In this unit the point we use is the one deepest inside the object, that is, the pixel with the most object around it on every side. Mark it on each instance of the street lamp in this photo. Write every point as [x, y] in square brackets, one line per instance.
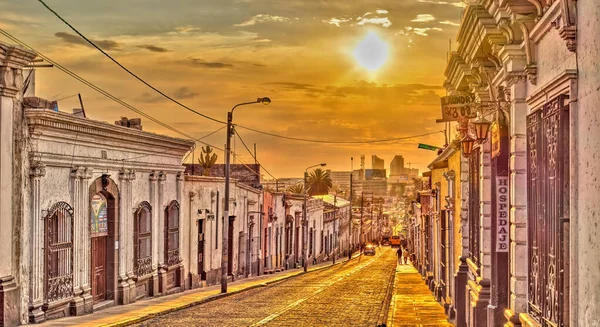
[305, 220]
[467, 144]
[225, 238]
[482, 127]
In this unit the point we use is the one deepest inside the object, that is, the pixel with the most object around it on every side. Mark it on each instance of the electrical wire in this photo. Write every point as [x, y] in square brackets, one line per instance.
[340, 142]
[244, 143]
[211, 118]
[126, 69]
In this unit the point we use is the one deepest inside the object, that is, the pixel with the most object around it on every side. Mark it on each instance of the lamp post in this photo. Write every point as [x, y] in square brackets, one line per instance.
[350, 239]
[225, 236]
[305, 220]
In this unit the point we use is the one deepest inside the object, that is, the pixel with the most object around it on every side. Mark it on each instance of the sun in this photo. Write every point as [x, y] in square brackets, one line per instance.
[371, 52]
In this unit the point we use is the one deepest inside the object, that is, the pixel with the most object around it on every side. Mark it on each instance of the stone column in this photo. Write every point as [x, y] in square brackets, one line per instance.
[129, 228]
[12, 60]
[153, 177]
[36, 255]
[162, 268]
[85, 269]
[518, 202]
[123, 285]
[485, 210]
[179, 186]
[77, 304]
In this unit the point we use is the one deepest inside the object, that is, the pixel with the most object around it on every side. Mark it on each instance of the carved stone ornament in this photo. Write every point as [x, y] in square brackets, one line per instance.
[531, 71]
[37, 171]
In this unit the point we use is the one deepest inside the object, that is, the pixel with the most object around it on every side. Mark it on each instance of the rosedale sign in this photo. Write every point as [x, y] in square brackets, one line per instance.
[458, 107]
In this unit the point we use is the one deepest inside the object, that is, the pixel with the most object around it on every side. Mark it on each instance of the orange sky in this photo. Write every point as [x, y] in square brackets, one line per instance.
[212, 54]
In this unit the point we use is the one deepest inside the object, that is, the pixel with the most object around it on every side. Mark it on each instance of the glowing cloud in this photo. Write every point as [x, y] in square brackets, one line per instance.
[384, 21]
[423, 18]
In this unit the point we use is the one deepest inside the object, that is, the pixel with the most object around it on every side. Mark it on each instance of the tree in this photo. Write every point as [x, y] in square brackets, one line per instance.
[319, 182]
[296, 189]
[207, 159]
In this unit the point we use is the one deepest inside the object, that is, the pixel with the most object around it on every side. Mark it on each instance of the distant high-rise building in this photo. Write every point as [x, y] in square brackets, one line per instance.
[397, 165]
[377, 162]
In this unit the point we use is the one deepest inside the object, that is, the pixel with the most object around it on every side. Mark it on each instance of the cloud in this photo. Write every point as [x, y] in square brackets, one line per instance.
[384, 21]
[423, 18]
[186, 29]
[418, 30]
[262, 18]
[207, 64]
[449, 22]
[336, 21]
[184, 93]
[459, 4]
[381, 11]
[74, 39]
[152, 48]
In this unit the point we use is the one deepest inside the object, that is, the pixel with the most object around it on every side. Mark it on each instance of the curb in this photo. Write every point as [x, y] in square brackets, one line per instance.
[211, 298]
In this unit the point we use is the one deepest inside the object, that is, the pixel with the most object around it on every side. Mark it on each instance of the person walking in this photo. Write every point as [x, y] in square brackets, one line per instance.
[405, 255]
[399, 254]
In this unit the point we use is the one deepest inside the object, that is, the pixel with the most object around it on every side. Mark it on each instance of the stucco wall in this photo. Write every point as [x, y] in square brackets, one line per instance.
[587, 187]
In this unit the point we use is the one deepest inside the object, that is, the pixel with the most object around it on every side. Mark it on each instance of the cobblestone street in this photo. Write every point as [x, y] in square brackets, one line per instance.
[349, 294]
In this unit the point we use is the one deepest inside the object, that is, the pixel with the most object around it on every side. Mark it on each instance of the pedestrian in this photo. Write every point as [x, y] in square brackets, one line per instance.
[405, 255]
[399, 254]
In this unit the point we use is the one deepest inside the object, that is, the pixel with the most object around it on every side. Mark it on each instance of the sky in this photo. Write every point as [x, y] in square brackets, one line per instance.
[213, 54]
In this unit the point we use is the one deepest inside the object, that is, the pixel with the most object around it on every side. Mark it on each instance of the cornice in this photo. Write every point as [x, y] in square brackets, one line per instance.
[67, 161]
[559, 16]
[41, 119]
[559, 85]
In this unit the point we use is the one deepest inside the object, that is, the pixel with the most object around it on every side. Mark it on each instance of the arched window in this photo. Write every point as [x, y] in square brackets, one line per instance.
[172, 234]
[143, 240]
[58, 252]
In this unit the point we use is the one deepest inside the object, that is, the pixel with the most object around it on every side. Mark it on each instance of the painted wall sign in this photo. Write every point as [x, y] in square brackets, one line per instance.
[502, 227]
[495, 131]
[99, 219]
[458, 107]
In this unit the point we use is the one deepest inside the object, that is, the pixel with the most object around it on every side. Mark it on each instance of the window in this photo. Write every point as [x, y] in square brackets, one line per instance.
[143, 240]
[58, 250]
[548, 212]
[172, 234]
[322, 241]
[310, 242]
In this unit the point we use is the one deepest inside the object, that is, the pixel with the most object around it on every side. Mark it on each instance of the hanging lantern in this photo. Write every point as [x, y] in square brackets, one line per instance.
[467, 144]
[482, 128]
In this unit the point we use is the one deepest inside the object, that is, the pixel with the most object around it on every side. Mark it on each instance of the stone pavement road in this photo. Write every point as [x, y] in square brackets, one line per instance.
[349, 294]
[412, 303]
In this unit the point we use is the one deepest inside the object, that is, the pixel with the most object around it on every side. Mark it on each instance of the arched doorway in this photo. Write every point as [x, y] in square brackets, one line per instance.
[103, 224]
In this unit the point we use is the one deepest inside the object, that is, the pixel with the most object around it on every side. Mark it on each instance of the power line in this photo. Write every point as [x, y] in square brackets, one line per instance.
[340, 142]
[101, 91]
[206, 116]
[244, 143]
[126, 69]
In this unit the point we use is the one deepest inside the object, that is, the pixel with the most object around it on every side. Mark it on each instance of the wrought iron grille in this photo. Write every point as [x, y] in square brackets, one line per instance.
[548, 191]
[172, 234]
[58, 251]
[474, 224]
[143, 239]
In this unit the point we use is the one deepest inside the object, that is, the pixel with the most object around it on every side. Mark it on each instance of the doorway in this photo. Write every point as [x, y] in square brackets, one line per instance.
[201, 271]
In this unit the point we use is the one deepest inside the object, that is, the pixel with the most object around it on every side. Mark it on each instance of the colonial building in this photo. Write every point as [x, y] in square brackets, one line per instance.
[525, 193]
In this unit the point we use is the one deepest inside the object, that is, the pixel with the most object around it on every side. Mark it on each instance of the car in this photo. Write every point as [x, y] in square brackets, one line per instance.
[369, 250]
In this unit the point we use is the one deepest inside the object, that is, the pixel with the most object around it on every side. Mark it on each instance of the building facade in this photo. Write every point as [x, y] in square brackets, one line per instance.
[526, 200]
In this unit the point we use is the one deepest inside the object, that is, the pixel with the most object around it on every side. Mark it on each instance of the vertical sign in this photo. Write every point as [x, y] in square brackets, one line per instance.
[495, 130]
[502, 228]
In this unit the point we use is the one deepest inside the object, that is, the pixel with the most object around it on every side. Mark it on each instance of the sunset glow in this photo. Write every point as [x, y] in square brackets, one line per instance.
[372, 52]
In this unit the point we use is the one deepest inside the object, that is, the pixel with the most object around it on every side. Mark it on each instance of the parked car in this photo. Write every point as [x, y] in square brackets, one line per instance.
[369, 250]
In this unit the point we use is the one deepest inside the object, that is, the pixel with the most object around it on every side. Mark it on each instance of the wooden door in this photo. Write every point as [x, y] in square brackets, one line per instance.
[201, 249]
[230, 248]
[99, 268]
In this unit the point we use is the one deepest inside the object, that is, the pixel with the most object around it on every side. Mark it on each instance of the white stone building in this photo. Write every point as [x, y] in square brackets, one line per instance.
[203, 240]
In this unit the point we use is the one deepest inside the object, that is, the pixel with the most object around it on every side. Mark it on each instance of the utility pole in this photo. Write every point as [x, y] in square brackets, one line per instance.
[334, 219]
[362, 200]
[350, 240]
[304, 228]
[225, 236]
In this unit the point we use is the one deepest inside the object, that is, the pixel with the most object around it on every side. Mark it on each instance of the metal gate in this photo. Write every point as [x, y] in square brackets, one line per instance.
[58, 251]
[474, 224]
[548, 212]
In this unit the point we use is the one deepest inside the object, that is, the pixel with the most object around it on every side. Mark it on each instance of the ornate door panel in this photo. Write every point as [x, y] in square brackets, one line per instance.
[548, 212]
[474, 206]
[99, 268]
[59, 252]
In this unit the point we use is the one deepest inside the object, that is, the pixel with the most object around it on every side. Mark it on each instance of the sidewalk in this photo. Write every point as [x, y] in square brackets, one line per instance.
[123, 315]
[412, 303]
